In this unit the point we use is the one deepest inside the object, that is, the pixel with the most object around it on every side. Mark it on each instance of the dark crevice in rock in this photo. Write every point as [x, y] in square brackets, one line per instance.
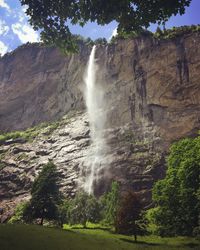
[182, 62]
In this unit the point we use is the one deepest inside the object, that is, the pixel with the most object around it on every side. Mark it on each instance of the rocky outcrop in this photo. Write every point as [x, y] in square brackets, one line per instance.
[152, 98]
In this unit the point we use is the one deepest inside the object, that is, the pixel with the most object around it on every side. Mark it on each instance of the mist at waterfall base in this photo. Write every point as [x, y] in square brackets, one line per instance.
[95, 104]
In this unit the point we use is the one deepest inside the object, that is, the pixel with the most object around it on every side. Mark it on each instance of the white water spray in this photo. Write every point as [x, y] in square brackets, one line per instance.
[94, 98]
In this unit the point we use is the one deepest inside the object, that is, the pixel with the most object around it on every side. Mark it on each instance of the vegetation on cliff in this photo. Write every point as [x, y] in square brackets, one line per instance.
[44, 128]
[30, 133]
[160, 34]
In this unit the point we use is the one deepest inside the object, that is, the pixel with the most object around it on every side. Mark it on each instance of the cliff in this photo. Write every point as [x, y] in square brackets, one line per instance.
[152, 98]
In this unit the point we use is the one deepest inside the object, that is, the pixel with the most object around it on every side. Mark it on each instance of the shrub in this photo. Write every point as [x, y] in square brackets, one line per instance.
[19, 212]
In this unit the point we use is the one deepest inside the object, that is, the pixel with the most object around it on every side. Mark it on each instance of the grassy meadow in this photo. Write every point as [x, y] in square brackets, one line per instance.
[32, 237]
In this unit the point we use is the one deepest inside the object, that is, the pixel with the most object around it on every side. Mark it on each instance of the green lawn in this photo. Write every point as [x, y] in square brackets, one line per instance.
[26, 237]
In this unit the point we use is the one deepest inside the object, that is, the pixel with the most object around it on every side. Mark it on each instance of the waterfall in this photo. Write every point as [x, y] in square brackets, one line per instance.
[94, 98]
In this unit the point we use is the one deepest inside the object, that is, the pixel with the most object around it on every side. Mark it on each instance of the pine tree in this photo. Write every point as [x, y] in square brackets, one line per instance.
[45, 195]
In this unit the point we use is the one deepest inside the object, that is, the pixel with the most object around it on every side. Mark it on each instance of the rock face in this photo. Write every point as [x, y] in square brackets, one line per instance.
[152, 97]
[39, 84]
[146, 81]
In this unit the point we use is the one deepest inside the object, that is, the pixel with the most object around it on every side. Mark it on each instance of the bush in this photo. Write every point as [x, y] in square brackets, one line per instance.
[152, 227]
[19, 212]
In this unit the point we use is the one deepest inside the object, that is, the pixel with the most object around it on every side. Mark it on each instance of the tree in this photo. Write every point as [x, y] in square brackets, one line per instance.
[129, 215]
[100, 41]
[159, 32]
[84, 208]
[53, 17]
[177, 196]
[109, 203]
[63, 212]
[45, 195]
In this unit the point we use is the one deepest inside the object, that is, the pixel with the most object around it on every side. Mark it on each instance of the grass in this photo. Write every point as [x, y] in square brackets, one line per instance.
[30, 133]
[32, 237]
[46, 128]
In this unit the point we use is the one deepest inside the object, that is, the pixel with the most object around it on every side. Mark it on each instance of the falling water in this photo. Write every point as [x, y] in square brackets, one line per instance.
[94, 98]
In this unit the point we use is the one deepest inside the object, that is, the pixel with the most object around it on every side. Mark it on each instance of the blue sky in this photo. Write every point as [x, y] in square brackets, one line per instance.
[15, 30]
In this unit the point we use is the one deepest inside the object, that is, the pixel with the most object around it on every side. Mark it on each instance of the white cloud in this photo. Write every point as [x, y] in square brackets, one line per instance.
[114, 33]
[3, 4]
[25, 33]
[3, 48]
[22, 14]
[3, 28]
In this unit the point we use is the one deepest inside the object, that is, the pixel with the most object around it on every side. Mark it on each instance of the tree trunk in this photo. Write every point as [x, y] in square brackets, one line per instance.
[84, 224]
[61, 224]
[41, 222]
[42, 217]
[135, 236]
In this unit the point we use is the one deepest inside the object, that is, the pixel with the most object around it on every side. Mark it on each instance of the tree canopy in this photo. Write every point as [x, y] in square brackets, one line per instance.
[53, 17]
[177, 196]
[84, 208]
[110, 204]
[129, 214]
[45, 195]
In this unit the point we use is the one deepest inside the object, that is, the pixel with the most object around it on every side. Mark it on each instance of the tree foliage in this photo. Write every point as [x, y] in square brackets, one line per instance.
[53, 17]
[110, 203]
[129, 215]
[83, 208]
[45, 195]
[177, 196]
[175, 31]
[18, 216]
[63, 212]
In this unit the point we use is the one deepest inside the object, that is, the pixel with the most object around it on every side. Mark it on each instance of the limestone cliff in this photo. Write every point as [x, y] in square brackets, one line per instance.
[152, 99]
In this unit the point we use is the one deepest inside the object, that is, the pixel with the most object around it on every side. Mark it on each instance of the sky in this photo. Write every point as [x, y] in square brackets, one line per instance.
[15, 29]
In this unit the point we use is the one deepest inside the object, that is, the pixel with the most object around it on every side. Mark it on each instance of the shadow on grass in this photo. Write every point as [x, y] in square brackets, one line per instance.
[95, 228]
[69, 230]
[140, 242]
[192, 245]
